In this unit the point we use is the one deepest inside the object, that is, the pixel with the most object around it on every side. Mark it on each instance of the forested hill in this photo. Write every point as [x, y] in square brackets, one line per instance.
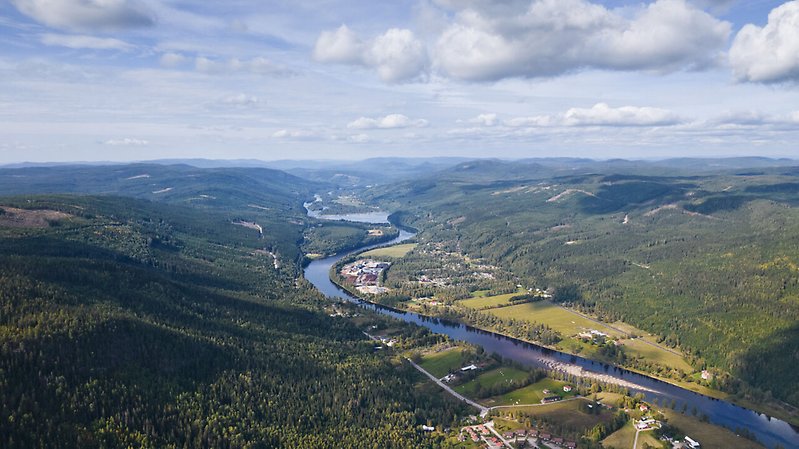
[131, 323]
[216, 188]
[706, 258]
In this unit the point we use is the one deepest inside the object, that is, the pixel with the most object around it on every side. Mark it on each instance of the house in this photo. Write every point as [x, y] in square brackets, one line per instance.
[550, 399]
[508, 435]
[706, 375]
[571, 444]
[448, 378]
[532, 432]
[469, 368]
[546, 436]
[567, 388]
[428, 428]
[557, 440]
[693, 444]
[643, 407]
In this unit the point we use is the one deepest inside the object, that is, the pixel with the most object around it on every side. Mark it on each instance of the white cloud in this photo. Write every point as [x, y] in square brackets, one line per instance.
[485, 119]
[388, 122]
[771, 53]
[84, 42]
[299, 134]
[358, 138]
[340, 46]
[86, 14]
[127, 142]
[487, 41]
[603, 115]
[600, 114]
[397, 54]
[532, 121]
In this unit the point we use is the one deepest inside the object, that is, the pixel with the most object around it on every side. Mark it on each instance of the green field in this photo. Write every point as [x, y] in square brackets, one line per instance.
[624, 438]
[491, 378]
[533, 393]
[443, 362]
[482, 301]
[660, 355]
[395, 251]
[554, 316]
[566, 414]
[710, 436]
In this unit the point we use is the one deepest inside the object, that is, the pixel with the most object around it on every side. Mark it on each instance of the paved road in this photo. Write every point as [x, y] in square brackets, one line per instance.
[483, 409]
[635, 442]
[490, 426]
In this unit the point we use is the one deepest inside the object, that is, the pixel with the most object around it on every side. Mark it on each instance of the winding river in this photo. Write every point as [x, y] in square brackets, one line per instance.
[769, 431]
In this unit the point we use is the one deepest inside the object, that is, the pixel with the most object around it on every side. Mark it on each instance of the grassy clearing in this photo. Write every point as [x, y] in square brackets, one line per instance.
[554, 316]
[710, 436]
[441, 363]
[621, 439]
[395, 251]
[533, 393]
[490, 378]
[659, 355]
[567, 414]
[481, 302]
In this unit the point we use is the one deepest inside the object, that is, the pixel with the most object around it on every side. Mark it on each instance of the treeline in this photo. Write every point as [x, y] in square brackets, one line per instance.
[124, 328]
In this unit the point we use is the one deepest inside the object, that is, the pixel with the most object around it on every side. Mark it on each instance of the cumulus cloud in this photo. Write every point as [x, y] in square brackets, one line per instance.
[487, 41]
[485, 120]
[84, 42]
[550, 37]
[86, 14]
[127, 142]
[603, 115]
[341, 46]
[769, 54]
[397, 55]
[388, 122]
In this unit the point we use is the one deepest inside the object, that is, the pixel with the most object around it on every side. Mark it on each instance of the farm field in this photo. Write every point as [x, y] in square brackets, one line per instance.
[566, 414]
[636, 347]
[624, 438]
[491, 378]
[483, 301]
[395, 251]
[443, 362]
[709, 435]
[531, 394]
[554, 316]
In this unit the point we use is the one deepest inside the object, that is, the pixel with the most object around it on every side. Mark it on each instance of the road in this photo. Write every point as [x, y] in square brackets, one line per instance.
[483, 409]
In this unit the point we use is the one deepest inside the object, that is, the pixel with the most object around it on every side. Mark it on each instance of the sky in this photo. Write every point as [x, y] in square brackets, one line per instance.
[127, 80]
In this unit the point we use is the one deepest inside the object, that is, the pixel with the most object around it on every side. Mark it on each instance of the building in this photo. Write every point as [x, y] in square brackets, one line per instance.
[469, 368]
[567, 388]
[693, 444]
[550, 399]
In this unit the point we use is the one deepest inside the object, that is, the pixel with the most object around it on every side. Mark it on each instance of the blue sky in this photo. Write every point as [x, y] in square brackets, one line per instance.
[145, 79]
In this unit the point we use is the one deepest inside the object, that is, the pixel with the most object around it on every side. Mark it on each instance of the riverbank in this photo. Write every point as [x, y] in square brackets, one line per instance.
[768, 431]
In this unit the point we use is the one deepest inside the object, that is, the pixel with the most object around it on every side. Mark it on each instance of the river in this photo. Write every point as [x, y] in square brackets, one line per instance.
[769, 431]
